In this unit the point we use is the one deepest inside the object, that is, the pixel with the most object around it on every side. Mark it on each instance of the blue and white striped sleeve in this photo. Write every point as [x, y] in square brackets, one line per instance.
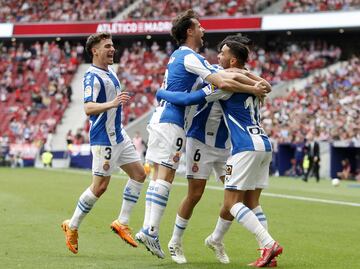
[198, 65]
[91, 87]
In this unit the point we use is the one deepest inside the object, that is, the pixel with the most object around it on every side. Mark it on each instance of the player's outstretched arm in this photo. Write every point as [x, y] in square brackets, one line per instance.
[184, 98]
[92, 108]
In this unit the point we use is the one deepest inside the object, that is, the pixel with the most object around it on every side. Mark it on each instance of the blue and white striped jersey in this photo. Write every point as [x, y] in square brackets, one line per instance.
[101, 86]
[242, 117]
[185, 72]
[208, 125]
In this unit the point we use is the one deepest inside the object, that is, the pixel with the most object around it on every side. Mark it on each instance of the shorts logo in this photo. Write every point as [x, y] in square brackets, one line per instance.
[176, 158]
[228, 170]
[195, 168]
[106, 166]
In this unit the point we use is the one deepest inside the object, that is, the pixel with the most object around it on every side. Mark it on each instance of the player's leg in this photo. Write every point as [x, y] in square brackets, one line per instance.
[131, 193]
[215, 240]
[252, 201]
[148, 197]
[85, 203]
[196, 188]
[102, 167]
[165, 146]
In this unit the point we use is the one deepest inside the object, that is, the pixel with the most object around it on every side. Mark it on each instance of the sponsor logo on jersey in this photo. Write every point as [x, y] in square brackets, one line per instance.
[87, 91]
[229, 170]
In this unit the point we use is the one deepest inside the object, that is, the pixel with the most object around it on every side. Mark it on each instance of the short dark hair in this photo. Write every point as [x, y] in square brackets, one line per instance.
[239, 47]
[238, 38]
[181, 24]
[95, 39]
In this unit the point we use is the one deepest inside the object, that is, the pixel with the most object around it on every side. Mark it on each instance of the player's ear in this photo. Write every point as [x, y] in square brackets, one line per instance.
[94, 51]
[189, 31]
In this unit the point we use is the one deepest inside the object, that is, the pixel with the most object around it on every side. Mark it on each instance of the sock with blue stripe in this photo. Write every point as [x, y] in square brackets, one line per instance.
[260, 216]
[179, 229]
[130, 197]
[159, 201]
[262, 219]
[85, 204]
[222, 226]
[148, 196]
[248, 219]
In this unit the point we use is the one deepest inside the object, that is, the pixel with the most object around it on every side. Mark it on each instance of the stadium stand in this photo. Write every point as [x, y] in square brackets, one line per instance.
[60, 10]
[150, 9]
[327, 106]
[34, 89]
[309, 6]
[141, 71]
[284, 61]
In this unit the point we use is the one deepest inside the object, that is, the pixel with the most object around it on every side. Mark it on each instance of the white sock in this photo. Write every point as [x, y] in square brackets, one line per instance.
[261, 216]
[179, 229]
[149, 194]
[130, 197]
[85, 204]
[222, 226]
[159, 201]
[262, 219]
[248, 219]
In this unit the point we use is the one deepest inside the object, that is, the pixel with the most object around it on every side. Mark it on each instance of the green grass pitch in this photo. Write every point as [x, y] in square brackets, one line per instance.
[34, 202]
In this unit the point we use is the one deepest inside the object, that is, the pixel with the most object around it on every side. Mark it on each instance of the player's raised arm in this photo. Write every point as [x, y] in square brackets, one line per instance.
[92, 108]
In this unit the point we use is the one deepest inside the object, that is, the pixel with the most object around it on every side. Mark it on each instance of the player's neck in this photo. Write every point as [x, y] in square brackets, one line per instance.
[236, 66]
[191, 45]
[100, 65]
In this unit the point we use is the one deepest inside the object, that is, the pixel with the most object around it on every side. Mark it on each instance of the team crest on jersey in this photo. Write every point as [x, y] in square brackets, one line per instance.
[87, 91]
[229, 170]
[106, 166]
[195, 168]
[176, 158]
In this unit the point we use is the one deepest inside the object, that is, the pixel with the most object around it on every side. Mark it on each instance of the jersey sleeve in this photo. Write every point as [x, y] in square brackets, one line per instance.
[198, 65]
[182, 98]
[91, 87]
[217, 95]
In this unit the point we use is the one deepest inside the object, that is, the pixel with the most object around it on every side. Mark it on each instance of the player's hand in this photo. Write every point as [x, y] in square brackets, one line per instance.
[121, 99]
[260, 89]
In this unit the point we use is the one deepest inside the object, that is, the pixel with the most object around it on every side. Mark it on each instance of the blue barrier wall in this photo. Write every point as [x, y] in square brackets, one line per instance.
[285, 154]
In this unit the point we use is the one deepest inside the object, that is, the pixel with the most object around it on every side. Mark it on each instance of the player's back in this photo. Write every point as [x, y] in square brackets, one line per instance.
[242, 115]
[101, 86]
[208, 126]
[185, 72]
[206, 123]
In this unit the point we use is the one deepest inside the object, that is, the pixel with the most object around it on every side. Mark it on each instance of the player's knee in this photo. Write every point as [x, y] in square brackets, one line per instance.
[99, 190]
[195, 197]
[140, 175]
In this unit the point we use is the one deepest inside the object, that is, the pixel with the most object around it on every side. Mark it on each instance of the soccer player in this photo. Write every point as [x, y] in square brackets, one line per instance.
[207, 149]
[110, 145]
[185, 71]
[247, 170]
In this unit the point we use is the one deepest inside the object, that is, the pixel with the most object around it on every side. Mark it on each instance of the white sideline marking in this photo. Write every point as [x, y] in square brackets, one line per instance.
[284, 196]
